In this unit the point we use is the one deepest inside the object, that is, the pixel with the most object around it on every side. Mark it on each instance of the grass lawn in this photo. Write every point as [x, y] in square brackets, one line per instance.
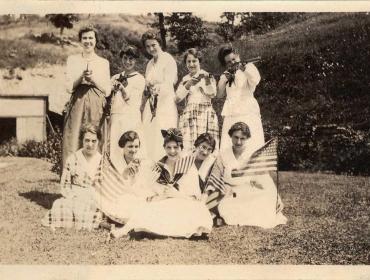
[328, 224]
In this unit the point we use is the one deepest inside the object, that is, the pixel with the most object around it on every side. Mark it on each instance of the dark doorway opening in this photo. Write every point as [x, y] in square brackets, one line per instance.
[8, 128]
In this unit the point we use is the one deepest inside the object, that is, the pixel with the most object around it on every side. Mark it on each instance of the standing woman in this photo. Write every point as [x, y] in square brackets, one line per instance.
[238, 83]
[159, 111]
[88, 80]
[199, 88]
[77, 208]
[128, 88]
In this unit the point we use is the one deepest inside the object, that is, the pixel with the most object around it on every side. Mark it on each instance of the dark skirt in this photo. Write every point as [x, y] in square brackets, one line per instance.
[86, 106]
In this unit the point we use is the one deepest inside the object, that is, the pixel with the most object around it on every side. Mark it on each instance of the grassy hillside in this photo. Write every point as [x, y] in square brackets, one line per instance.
[314, 72]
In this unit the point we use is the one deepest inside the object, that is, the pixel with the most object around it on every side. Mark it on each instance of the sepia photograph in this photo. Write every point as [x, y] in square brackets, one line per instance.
[186, 136]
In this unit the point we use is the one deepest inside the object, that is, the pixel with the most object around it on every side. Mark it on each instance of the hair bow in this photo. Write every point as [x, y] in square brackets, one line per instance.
[172, 133]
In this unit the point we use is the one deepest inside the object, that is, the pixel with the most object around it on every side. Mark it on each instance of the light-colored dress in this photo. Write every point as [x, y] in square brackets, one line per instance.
[76, 208]
[252, 200]
[125, 115]
[241, 106]
[183, 216]
[162, 74]
[87, 102]
[136, 190]
[199, 116]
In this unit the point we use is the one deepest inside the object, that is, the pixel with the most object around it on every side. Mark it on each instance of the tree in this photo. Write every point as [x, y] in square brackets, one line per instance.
[235, 25]
[162, 29]
[187, 30]
[62, 20]
[229, 28]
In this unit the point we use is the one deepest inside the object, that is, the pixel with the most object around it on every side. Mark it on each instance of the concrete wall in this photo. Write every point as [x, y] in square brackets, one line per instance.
[30, 112]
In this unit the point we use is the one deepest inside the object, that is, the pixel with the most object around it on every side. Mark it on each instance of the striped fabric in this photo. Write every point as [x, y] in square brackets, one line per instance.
[215, 185]
[109, 183]
[262, 161]
[183, 164]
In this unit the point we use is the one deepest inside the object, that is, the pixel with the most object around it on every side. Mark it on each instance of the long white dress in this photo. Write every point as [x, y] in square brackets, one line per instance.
[241, 106]
[183, 216]
[162, 74]
[254, 199]
[125, 115]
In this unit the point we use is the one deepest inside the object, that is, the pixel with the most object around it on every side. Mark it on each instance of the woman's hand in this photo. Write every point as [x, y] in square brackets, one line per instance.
[192, 82]
[131, 170]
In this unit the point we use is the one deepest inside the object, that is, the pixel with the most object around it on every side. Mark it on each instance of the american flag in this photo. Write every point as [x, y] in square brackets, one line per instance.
[262, 161]
[108, 182]
[216, 185]
[183, 164]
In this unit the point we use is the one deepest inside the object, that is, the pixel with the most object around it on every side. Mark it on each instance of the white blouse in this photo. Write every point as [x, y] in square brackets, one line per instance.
[99, 66]
[239, 96]
[134, 90]
[199, 93]
[162, 73]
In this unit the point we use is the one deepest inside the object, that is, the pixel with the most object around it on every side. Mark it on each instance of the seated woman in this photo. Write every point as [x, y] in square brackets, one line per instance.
[77, 208]
[204, 145]
[135, 175]
[249, 200]
[175, 210]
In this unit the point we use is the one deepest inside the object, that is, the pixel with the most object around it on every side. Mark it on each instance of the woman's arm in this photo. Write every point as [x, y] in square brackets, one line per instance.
[66, 179]
[73, 78]
[181, 92]
[101, 78]
[253, 76]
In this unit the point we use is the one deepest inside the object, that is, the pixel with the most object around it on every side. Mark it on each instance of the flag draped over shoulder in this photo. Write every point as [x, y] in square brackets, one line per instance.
[261, 161]
[109, 183]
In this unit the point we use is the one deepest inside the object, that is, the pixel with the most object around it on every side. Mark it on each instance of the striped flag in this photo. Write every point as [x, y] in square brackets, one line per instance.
[262, 161]
[108, 182]
[183, 164]
[216, 185]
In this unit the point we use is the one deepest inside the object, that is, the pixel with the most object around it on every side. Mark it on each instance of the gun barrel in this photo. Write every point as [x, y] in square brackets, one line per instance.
[253, 59]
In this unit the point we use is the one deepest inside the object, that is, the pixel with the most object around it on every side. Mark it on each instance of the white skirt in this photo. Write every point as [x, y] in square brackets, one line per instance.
[253, 206]
[176, 217]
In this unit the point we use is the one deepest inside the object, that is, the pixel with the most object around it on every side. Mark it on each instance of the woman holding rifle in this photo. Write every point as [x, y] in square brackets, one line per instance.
[238, 83]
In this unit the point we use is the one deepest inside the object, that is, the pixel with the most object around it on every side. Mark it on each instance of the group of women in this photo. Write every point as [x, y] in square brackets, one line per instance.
[164, 161]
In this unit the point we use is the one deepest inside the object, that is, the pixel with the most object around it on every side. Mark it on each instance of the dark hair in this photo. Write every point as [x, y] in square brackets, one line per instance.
[172, 134]
[243, 127]
[194, 52]
[223, 52]
[150, 35]
[128, 136]
[94, 129]
[205, 137]
[87, 29]
[129, 50]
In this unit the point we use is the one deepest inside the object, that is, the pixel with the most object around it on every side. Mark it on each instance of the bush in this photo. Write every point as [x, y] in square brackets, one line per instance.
[50, 150]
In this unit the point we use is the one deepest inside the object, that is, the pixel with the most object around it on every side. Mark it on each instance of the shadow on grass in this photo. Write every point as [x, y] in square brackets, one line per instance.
[151, 236]
[43, 199]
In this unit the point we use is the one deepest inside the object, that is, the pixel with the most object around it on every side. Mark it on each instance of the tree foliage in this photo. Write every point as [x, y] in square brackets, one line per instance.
[185, 29]
[62, 20]
[235, 25]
